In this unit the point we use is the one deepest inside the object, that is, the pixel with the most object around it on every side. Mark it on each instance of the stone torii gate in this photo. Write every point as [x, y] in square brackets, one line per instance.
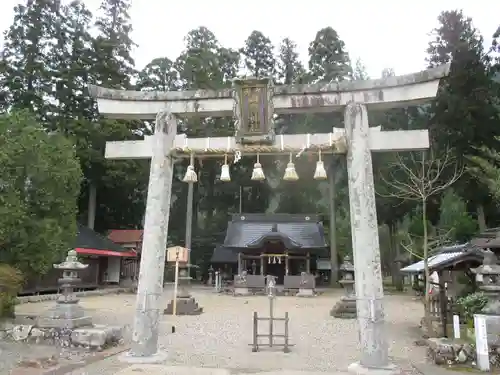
[353, 98]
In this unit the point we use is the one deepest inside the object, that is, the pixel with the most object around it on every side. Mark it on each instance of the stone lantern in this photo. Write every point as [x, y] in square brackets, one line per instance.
[346, 307]
[488, 278]
[67, 313]
[210, 276]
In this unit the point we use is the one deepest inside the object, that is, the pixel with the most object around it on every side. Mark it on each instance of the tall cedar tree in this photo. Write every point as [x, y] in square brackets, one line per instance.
[463, 115]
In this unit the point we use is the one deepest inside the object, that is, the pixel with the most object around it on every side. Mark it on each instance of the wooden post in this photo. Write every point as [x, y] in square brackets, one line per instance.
[443, 302]
[255, 332]
[308, 263]
[286, 264]
[286, 348]
[262, 264]
[239, 263]
[176, 283]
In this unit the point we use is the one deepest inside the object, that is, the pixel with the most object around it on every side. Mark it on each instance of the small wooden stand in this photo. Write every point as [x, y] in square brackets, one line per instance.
[271, 335]
[183, 304]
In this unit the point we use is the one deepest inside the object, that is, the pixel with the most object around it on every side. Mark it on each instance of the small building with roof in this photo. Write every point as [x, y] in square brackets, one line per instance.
[271, 244]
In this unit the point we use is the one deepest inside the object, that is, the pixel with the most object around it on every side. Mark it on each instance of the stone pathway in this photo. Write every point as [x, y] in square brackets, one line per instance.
[220, 337]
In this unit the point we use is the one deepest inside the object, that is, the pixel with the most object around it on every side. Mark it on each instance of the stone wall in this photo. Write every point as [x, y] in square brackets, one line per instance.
[87, 293]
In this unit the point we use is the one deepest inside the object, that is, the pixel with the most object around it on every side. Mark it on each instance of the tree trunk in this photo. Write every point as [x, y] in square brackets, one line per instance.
[481, 218]
[397, 279]
[427, 313]
[91, 212]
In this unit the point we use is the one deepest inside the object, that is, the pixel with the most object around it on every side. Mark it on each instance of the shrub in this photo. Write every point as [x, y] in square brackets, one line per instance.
[472, 304]
[11, 281]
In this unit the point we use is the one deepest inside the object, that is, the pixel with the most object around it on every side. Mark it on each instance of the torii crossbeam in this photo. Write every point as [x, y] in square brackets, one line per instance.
[255, 107]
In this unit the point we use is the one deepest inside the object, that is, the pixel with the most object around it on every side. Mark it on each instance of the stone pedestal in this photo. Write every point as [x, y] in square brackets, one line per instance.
[345, 308]
[241, 291]
[186, 304]
[305, 292]
[241, 284]
[307, 285]
[359, 369]
[64, 316]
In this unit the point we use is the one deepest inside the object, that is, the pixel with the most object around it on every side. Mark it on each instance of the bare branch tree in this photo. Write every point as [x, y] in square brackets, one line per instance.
[419, 178]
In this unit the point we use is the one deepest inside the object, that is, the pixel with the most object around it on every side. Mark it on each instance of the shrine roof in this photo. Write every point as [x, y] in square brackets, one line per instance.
[447, 257]
[92, 243]
[222, 254]
[294, 231]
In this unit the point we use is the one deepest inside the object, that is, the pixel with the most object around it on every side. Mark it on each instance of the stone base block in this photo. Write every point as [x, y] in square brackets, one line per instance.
[303, 292]
[241, 291]
[358, 369]
[91, 337]
[185, 306]
[97, 337]
[69, 323]
[344, 309]
[130, 357]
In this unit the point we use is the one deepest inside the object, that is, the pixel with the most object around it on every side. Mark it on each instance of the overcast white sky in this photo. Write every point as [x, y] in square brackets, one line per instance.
[383, 33]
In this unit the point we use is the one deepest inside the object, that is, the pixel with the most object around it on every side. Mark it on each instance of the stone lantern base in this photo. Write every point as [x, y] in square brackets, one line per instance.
[185, 306]
[345, 308]
[64, 315]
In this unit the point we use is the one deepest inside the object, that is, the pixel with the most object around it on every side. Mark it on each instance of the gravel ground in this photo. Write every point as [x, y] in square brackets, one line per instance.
[220, 337]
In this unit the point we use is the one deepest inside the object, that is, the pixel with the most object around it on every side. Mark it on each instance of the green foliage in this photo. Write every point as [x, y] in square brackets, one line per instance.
[40, 183]
[259, 55]
[11, 281]
[50, 56]
[454, 220]
[464, 115]
[328, 59]
[472, 304]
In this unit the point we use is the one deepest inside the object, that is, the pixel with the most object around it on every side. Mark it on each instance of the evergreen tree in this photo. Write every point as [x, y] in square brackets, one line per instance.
[199, 65]
[359, 72]
[328, 59]
[114, 65]
[454, 219]
[464, 115]
[72, 64]
[158, 75]
[258, 55]
[290, 69]
[26, 66]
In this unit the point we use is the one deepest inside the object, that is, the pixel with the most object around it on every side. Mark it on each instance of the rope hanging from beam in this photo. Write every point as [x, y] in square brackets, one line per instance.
[337, 146]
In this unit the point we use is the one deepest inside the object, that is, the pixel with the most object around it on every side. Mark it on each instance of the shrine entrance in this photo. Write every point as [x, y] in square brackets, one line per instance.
[253, 103]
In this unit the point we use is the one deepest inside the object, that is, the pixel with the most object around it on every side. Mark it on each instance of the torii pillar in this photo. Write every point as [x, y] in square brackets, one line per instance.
[354, 98]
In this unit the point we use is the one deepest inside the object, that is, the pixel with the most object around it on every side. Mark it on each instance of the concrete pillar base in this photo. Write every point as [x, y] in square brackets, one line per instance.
[358, 369]
[129, 357]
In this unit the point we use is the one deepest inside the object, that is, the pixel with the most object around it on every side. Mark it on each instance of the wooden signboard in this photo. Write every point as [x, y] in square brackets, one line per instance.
[177, 254]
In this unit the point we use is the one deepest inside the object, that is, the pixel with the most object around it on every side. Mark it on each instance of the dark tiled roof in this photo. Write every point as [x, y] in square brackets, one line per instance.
[89, 239]
[224, 255]
[295, 231]
[490, 238]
